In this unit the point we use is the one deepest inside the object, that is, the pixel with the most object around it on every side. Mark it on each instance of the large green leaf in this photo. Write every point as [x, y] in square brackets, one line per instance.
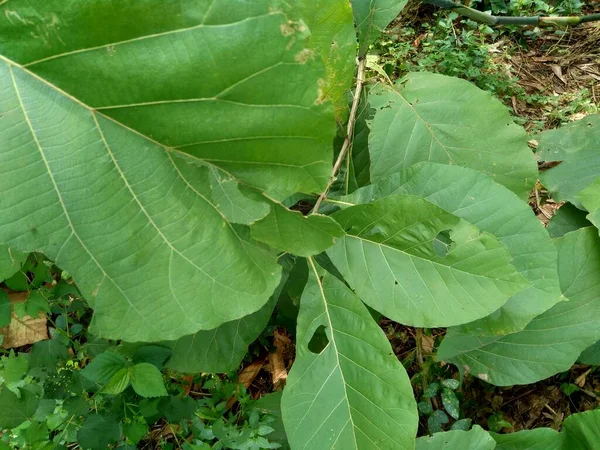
[492, 208]
[475, 439]
[580, 432]
[295, 233]
[590, 199]
[90, 136]
[221, 349]
[372, 17]
[576, 146]
[590, 355]
[354, 394]
[388, 257]
[552, 342]
[333, 37]
[431, 117]
[538, 439]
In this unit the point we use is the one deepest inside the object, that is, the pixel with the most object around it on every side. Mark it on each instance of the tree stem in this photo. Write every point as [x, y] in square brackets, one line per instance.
[360, 82]
[481, 17]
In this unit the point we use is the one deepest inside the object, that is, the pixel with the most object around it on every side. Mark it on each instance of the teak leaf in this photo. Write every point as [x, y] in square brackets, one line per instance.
[354, 394]
[107, 139]
[575, 145]
[475, 439]
[492, 208]
[388, 257]
[552, 342]
[292, 232]
[430, 117]
[371, 17]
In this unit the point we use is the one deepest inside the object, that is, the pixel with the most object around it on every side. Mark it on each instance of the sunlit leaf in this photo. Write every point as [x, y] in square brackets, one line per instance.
[552, 342]
[389, 259]
[354, 394]
[109, 132]
[492, 208]
[431, 117]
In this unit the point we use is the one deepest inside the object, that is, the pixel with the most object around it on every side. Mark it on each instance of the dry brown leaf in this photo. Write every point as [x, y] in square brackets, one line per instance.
[247, 377]
[26, 330]
[581, 379]
[427, 344]
[250, 372]
[276, 362]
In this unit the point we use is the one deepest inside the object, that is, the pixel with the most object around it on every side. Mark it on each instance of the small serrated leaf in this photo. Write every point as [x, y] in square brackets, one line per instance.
[135, 431]
[118, 383]
[147, 381]
[103, 367]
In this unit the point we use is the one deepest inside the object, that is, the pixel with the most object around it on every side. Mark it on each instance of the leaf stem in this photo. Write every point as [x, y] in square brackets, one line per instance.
[360, 82]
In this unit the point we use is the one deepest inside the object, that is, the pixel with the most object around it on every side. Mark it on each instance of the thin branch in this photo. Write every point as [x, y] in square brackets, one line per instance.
[481, 17]
[360, 82]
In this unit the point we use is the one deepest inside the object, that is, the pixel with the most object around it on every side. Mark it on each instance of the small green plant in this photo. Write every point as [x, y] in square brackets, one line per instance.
[437, 419]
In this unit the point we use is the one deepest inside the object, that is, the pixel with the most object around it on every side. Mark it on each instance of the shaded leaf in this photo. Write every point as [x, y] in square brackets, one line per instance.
[292, 232]
[176, 408]
[15, 410]
[98, 431]
[153, 354]
[135, 431]
[591, 355]
[5, 309]
[436, 422]
[221, 349]
[568, 218]
[10, 261]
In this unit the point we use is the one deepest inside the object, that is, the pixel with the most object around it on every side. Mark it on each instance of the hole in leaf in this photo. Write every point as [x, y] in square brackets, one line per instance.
[442, 243]
[319, 340]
